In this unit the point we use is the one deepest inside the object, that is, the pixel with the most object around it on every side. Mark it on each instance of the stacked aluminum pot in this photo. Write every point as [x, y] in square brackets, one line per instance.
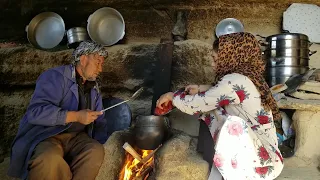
[286, 54]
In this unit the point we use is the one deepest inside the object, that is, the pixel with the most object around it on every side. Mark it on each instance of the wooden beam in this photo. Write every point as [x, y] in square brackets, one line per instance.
[162, 80]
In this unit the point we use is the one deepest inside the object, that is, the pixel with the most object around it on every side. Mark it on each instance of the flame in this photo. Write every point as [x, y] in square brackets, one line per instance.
[132, 168]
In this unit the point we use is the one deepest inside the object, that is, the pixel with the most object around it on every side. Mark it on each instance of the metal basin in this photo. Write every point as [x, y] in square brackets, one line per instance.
[106, 26]
[46, 30]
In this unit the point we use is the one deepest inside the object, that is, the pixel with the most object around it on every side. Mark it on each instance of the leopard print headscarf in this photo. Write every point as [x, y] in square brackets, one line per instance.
[240, 53]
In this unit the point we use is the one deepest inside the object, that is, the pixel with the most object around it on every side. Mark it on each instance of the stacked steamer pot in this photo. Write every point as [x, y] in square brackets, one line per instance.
[286, 54]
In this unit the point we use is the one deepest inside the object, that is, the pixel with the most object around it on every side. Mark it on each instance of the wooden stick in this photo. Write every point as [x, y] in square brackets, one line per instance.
[144, 160]
[130, 150]
[144, 172]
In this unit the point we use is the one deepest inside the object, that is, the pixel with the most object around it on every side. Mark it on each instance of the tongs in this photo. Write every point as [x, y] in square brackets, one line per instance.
[134, 96]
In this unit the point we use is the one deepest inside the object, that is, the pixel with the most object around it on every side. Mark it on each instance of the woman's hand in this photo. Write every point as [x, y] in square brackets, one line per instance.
[192, 89]
[195, 89]
[164, 99]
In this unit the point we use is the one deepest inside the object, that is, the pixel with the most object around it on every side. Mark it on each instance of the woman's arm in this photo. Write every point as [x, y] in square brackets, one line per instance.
[220, 95]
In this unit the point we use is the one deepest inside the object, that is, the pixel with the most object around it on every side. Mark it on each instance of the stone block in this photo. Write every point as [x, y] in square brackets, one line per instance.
[306, 124]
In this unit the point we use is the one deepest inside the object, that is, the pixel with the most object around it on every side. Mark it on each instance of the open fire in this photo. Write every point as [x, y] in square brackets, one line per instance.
[138, 164]
[134, 170]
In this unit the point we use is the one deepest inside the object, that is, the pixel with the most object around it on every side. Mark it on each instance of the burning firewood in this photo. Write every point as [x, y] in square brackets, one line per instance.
[135, 169]
[133, 152]
[144, 160]
[144, 174]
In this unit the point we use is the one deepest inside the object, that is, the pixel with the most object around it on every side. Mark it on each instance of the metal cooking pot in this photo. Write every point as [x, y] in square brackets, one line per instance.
[286, 54]
[288, 40]
[288, 61]
[278, 54]
[279, 75]
[106, 26]
[150, 131]
[282, 46]
[46, 30]
[76, 35]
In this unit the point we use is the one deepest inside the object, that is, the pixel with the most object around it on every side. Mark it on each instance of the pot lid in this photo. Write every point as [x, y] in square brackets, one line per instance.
[288, 36]
[228, 26]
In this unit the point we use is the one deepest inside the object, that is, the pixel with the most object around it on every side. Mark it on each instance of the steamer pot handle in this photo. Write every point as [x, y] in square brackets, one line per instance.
[262, 42]
[278, 60]
[312, 53]
[261, 36]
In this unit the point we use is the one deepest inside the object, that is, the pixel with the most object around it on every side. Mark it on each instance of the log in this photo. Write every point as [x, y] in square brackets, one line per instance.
[131, 151]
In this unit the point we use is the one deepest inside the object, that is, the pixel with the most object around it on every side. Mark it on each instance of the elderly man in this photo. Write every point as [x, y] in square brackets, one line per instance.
[58, 137]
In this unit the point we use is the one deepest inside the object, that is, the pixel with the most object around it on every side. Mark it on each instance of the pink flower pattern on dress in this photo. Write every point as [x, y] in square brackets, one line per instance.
[235, 137]
[234, 163]
[218, 160]
[235, 128]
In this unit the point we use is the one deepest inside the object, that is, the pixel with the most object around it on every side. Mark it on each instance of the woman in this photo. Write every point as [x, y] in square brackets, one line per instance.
[239, 111]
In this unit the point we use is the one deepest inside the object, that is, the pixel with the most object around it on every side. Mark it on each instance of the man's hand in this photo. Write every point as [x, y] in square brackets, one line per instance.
[85, 116]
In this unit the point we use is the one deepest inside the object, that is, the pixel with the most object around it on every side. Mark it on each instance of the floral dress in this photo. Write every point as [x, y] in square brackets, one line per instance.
[246, 145]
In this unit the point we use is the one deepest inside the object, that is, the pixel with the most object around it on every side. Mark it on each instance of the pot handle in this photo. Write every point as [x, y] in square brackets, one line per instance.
[278, 60]
[262, 42]
[89, 18]
[123, 33]
[261, 36]
[312, 53]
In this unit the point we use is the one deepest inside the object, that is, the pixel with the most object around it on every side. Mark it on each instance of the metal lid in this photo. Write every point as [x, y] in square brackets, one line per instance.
[228, 26]
[288, 36]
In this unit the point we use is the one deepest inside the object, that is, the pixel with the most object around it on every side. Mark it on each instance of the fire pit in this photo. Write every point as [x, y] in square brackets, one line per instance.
[149, 133]
[176, 158]
[137, 167]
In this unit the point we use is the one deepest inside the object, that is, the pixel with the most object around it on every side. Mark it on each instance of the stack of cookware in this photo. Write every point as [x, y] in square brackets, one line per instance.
[105, 26]
[286, 54]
